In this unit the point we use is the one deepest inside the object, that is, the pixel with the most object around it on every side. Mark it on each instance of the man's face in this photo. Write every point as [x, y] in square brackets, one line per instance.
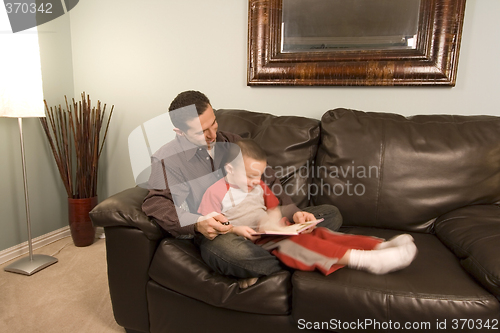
[203, 130]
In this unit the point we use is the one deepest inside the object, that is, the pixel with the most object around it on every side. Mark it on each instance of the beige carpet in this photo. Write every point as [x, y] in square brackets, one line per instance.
[71, 295]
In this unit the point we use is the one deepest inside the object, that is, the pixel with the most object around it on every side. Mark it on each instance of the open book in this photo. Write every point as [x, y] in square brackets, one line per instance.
[293, 229]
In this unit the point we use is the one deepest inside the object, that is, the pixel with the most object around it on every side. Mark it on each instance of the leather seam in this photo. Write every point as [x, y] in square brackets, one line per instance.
[380, 180]
[414, 295]
[410, 121]
[490, 276]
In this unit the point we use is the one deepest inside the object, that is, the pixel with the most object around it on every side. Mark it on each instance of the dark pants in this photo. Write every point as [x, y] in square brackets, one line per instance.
[234, 255]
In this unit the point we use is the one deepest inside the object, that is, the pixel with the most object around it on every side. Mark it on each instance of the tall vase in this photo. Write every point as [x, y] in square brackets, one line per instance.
[82, 230]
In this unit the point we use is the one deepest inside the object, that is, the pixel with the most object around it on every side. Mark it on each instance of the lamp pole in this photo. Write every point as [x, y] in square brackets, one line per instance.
[34, 262]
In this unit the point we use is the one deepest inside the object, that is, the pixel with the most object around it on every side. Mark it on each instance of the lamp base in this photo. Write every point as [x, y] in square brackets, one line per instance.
[28, 267]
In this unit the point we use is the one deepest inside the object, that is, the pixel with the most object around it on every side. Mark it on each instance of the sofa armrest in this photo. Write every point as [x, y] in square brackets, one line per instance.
[473, 234]
[128, 254]
[124, 209]
[131, 242]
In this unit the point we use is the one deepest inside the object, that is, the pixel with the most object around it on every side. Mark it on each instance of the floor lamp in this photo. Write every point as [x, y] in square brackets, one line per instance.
[21, 96]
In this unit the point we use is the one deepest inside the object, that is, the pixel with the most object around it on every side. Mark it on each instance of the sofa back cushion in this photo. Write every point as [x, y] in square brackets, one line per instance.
[290, 143]
[473, 234]
[389, 171]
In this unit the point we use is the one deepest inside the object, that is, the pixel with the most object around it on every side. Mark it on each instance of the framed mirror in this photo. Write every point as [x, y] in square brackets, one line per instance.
[354, 42]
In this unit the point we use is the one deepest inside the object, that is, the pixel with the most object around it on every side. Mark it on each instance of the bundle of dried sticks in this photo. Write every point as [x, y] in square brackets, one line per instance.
[76, 133]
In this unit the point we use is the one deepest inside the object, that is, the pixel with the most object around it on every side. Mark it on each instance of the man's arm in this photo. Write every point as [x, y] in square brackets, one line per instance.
[159, 203]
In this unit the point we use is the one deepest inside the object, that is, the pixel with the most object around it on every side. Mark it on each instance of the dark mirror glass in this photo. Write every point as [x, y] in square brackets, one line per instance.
[330, 25]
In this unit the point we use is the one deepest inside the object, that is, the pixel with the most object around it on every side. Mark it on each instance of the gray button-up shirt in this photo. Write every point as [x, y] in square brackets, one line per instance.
[181, 172]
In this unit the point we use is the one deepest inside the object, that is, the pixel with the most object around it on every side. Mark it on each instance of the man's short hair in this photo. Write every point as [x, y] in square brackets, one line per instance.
[179, 117]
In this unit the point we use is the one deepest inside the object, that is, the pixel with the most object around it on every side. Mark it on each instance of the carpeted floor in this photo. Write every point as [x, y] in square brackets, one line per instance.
[70, 296]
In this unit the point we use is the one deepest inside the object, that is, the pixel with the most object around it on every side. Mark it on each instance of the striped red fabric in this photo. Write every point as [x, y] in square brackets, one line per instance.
[321, 249]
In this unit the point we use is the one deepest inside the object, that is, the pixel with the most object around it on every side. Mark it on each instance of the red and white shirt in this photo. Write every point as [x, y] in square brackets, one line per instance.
[239, 206]
[321, 249]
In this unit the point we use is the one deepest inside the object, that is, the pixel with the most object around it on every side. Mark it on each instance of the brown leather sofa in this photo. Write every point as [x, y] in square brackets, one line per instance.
[434, 176]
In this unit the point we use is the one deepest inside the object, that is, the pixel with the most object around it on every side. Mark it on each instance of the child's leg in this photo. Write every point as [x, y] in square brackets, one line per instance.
[329, 251]
[326, 246]
[308, 252]
[321, 249]
[386, 257]
[359, 242]
[395, 242]
[382, 261]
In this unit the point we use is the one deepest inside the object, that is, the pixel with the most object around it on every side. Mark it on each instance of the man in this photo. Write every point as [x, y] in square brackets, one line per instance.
[184, 168]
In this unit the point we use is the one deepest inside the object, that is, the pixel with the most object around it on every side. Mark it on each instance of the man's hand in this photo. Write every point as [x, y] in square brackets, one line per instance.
[301, 217]
[212, 226]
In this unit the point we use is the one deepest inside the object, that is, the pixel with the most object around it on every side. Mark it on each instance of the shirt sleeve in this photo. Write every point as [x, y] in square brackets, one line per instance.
[270, 200]
[159, 204]
[288, 207]
[212, 199]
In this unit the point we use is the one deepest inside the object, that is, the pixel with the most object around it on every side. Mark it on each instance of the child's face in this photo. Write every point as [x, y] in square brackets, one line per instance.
[248, 177]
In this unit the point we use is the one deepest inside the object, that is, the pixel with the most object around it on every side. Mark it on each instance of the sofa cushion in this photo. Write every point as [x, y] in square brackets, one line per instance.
[433, 288]
[289, 141]
[385, 170]
[172, 312]
[473, 234]
[177, 265]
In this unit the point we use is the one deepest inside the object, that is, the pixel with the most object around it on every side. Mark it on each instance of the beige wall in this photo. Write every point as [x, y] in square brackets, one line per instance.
[46, 193]
[138, 55]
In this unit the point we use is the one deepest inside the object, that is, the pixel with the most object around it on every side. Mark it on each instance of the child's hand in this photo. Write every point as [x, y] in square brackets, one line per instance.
[272, 220]
[284, 222]
[245, 232]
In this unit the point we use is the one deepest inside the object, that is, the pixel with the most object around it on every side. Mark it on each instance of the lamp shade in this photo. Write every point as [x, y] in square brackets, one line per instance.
[21, 93]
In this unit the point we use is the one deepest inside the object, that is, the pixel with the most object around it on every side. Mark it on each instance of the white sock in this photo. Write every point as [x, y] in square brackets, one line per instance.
[395, 242]
[383, 261]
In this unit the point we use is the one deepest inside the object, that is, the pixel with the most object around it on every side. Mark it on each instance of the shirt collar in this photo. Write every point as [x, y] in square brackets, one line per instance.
[189, 148]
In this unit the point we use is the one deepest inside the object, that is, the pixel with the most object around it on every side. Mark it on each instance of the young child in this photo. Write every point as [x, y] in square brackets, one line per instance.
[250, 205]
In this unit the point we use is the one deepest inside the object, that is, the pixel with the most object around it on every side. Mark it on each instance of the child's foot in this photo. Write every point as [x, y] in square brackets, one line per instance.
[245, 283]
[395, 242]
[385, 260]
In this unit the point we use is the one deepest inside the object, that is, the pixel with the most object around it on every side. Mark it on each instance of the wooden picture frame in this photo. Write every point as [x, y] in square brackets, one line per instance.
[433, 62]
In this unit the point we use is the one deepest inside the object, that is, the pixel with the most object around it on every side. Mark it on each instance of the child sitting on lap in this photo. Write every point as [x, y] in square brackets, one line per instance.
[250, 205]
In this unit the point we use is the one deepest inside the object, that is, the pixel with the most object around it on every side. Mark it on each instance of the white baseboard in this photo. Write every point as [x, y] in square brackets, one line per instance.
[23, 248]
